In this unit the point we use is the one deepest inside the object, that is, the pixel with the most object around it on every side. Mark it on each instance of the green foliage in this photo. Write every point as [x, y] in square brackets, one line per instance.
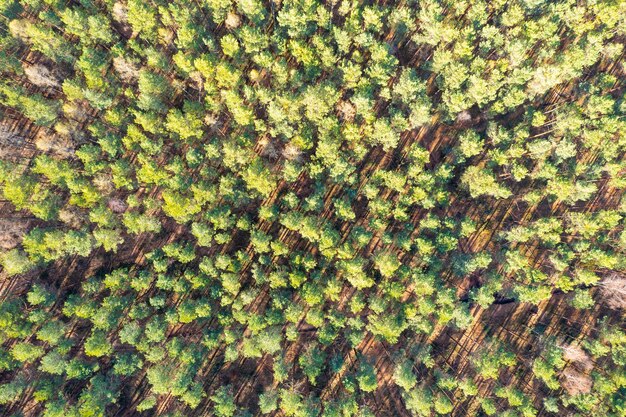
[470, 144]
[443, 405]
[403, 375]
[223, 403]
[387, 264]
[197, 190]
[109, 239]
[388, 326]
[312, 362]
[366, 377]
[127, 365]
[11, 391]
[53, 363]
[268, 402]
[147, 403]
[138, 223]
[26, 352]
[489, 361]
[48, 245]
[483, 182]
[291, 403]
[259, 179]
[51, 332]
[280, 370]
[187, 124]
[419, 401]
[15, 262]
[582, 299]
[97, 345]
[41, 111]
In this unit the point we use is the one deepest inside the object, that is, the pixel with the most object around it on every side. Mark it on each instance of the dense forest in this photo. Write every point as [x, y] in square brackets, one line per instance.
[305, 208]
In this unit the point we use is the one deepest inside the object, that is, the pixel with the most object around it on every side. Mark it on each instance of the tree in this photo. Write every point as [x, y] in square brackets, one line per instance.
[187, 124]
[109, 239]
[383, 134]
[551, 404]
[613, 291]
[127, 364]
[27, 352]
[443, 405]
[312, 362]
[419, 401]
[53, 363]
[387, 264]
[269, 340]
[403, 375]
[268, 402]
[489, 360]
[291, 403]
[488, 406]
[51, 332]
[230, 45]
[193, 396]
[147, 403]
[366, 377]
[41, 76]
[252, 9]
[281, 372]
[97, 344]
[223, 402]
[99, 29]
[42, 38]
[152, 87]
[582, 299]
[353, 271]
[533, 294]
[482, 182]
[140, 223]
[142, 18]
[77, 369]
[130, 333]
[41, 111]
[259, 179]
[388, 326]
[546, 366]
[470, 144]
[11, 391]
[575, 382]
[100, 393]
[155, 329]
[15, 262]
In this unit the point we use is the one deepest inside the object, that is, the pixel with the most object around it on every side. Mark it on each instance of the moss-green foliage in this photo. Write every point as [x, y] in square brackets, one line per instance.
[209, 201]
